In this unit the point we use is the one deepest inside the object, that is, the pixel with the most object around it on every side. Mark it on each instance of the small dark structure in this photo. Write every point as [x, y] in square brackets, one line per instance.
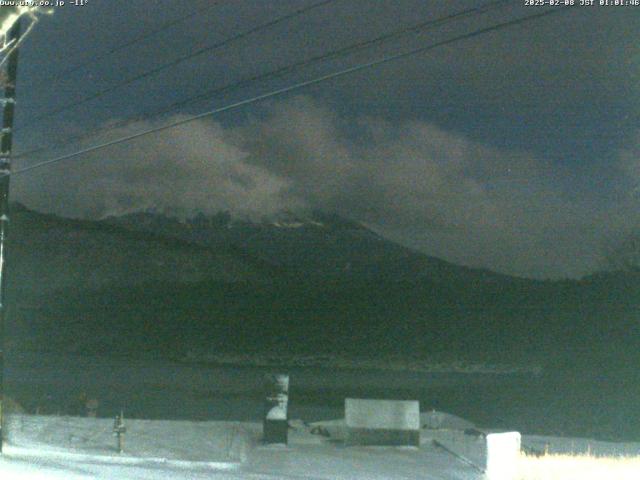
[276, 426]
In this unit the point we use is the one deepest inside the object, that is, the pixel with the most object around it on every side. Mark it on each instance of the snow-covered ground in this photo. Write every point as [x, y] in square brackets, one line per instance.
[58, 447]
[71, 448]
[214, 431]
[388, 363]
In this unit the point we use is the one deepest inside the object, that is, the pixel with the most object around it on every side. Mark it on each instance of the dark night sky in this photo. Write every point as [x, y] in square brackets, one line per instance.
[516, 150]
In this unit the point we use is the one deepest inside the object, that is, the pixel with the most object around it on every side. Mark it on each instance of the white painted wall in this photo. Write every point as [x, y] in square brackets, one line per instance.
[503, 450]
[382, 414]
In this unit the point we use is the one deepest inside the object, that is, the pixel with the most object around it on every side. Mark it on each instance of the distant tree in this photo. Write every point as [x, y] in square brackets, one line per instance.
[624, 255]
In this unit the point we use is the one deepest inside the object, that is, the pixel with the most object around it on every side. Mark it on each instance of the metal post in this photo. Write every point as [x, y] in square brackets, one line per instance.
[119, 429]
[6, 138]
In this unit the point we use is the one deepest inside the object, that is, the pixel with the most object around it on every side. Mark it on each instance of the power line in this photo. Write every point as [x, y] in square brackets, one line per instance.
[275, 73]
[140, 38]
[291, 88]
[173, 63]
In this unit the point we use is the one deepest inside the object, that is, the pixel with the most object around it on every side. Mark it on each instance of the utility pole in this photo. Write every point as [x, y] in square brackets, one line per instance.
[6, 137]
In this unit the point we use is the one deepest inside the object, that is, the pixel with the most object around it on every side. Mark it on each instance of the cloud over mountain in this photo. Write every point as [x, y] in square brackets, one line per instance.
[426, 187]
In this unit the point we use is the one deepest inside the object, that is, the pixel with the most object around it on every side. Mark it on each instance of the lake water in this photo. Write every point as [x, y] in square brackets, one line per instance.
[161, 389]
